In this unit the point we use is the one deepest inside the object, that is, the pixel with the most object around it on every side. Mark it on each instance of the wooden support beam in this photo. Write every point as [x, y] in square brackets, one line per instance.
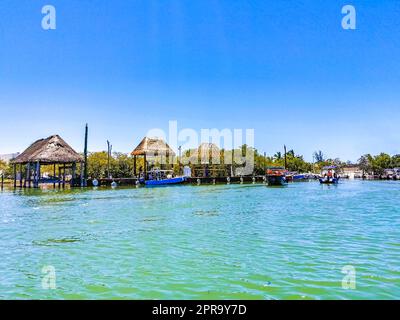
[73, 174]
[82, 180]
[15, 176]
[37, 175]
[54, 176]
[28, 175]
[64, 176]
[134, 166]
[145, 167]
[59, 177]
[20, 175]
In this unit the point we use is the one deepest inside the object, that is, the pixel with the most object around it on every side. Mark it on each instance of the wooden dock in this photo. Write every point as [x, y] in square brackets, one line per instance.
[105, 182]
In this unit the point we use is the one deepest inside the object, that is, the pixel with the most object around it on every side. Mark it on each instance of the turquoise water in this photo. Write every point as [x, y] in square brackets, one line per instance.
[203, 242]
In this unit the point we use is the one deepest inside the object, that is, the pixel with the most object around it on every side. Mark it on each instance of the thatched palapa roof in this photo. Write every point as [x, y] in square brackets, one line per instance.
[50, 150]
[152, 146]
[206, 152]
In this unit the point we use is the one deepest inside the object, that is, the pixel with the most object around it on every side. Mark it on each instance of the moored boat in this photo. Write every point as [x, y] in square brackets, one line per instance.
[158, 177]
[276, 176]
[329, 175]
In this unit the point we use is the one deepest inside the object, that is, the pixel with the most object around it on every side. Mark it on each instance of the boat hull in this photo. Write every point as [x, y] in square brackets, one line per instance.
[276, 180]
[177, 180]
[332, 181]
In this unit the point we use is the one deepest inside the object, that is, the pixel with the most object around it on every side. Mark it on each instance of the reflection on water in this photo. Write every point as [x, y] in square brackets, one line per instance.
[203, 242]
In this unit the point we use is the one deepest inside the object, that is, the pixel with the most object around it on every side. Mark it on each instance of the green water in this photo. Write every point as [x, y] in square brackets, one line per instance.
[203, 242]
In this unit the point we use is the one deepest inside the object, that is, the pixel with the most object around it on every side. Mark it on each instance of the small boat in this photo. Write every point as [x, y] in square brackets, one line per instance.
[158, 177]
[300, 177]
[276, 176]
[176, 180]
[329, 175]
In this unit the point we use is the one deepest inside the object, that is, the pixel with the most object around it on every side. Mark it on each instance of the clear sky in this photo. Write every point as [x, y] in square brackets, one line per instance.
[287, 69]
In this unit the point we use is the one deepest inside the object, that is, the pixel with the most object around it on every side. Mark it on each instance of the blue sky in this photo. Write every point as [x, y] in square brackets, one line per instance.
[287, 69]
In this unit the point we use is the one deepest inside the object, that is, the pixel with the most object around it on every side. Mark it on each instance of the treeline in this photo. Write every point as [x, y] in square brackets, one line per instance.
[121, 165]
[377, 164]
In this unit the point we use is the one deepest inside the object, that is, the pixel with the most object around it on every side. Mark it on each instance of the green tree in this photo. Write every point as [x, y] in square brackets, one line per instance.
[97, 164]
[3, 167]
[366, 163]
[395, 162]
[278, 156]
[381, 162]
[319, 156]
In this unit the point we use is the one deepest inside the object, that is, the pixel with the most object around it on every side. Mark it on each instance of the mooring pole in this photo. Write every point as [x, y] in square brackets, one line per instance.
[81, 174]
[85, 173]
[180, 159]
[109, 148]
[2, 181]
[64, 176]
[284, 147]
[265, 162]
[37, 175]
[15, 176]
[54, 176]
[20, 176]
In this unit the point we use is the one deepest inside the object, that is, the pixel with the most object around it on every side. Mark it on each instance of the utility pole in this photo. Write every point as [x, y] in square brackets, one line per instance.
[179, 160]
[109, 148]
[265, 162]
[285, 156]
[85, 152]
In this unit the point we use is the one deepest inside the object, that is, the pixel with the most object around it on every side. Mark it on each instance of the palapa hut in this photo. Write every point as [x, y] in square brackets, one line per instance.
[151, 147]
[206, 153]
[50, 151]
[207, 161]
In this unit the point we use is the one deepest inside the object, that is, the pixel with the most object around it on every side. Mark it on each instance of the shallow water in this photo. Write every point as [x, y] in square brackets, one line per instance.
[203, 242]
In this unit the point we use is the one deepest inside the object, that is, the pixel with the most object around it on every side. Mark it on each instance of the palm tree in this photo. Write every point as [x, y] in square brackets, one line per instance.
[365, 163]
[290, 153]
[319, 156]
[278, 156]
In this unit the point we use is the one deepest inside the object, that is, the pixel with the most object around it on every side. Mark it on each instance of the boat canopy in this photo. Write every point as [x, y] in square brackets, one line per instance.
[329, 167]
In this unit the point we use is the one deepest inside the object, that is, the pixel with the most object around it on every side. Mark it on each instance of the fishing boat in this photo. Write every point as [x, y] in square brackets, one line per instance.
[158, 177]
[276, 176]
[329, 175]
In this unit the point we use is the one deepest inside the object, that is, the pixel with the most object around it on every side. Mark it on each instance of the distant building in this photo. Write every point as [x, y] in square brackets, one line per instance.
[7, 157]
[351, 171]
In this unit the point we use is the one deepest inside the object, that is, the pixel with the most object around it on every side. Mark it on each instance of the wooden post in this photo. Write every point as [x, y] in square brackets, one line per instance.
[145, 167]
[284, 147]
[64, 176]
[54, 176]
[15, 176]
[28, 175]
[85, 174]
[82, 183]
[73, 174]
[59, 177]
[37, 175]
[134, 166]
[20, 175]
[232, 167]
[180, 160]
[265, 162]
[108, 159]
[2, 181]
